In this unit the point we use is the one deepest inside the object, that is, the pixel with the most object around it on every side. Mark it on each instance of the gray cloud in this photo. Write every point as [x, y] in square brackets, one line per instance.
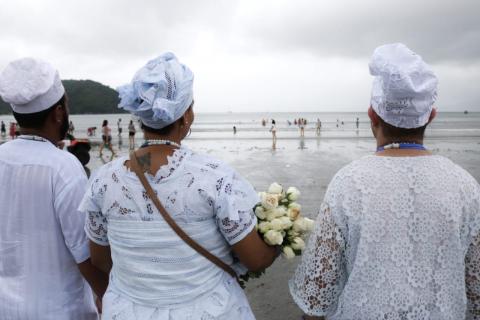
[252, 55]
[443, 31]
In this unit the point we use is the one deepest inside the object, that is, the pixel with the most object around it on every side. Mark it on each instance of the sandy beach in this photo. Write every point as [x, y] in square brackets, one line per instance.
[309, 165]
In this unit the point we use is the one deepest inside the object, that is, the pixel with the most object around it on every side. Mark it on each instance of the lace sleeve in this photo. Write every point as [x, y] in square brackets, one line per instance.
[472, 279]
[91, 204]
[321, 275]
[234, 205]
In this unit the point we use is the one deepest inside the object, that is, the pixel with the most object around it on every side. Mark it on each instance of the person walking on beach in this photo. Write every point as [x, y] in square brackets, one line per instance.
[273, 130]
[43, 247]
[12, 130]
[71, 128]
[154, 273]
[398, 234]
[3, 129]
[357, 122]
[131, 135]
[301, 124]
[119, 127]
[106, 139]
[318, 127]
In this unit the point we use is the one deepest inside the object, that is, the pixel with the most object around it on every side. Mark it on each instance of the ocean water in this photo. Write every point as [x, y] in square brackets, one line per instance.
[249, 125]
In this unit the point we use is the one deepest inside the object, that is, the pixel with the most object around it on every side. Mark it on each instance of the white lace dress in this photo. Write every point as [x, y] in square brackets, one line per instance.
[396, 238]
[155, 275]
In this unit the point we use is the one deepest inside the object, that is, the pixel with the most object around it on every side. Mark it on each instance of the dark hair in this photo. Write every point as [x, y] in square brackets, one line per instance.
[105, 122]
[405, 135]
[36, 120]
[162, 132]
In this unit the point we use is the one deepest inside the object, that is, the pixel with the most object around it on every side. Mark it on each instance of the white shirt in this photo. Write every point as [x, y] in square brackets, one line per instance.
[155, 274]
[396, 238]
[41, 234]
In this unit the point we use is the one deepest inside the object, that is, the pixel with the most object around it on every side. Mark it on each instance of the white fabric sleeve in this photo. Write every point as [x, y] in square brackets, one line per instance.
[96, 225]
[320, 277]
[71, 219]
[472, 259]
[234, 205]
[472, 279]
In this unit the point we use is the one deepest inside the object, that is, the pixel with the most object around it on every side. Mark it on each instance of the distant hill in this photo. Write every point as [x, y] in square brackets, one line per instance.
[85, 96]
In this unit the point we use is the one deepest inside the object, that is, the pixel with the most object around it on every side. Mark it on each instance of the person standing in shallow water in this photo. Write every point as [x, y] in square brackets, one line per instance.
[131, 135]
[398, 233]
[3, 130]
[44, 251]
[106, 139]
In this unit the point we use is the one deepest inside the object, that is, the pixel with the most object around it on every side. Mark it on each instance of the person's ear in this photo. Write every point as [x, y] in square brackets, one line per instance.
[58, 114]
[373, 116]
[433, 114]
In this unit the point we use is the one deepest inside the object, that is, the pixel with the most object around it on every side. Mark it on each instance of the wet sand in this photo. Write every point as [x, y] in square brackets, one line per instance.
[308, 165]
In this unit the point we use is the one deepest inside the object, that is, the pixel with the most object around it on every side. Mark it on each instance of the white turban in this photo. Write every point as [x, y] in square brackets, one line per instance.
[30, 85]
[404, 89]
[160, 92]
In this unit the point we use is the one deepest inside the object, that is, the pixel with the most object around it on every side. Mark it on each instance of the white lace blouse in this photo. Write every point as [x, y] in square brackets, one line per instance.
[155, 274]
[396, 238]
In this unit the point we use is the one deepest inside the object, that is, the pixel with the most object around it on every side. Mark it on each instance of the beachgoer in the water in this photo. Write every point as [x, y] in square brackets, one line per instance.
[3, 130]
[106, 139]
[131, 135]
[119, 127]
[71, 128]
[318, 127]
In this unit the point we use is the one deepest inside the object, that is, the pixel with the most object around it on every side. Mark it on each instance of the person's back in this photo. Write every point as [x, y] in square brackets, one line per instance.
[43, 248]
[154, 272]
[38, 274]
[404, 225]
[398, 234]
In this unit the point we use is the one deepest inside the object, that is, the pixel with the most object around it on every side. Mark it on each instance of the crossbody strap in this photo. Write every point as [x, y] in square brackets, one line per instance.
[185, 237]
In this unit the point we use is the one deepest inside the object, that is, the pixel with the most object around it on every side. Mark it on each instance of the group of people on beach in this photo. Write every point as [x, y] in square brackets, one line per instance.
[164, 232]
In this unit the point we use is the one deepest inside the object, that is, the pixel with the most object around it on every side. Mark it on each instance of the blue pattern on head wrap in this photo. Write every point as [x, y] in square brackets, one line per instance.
[160, 92]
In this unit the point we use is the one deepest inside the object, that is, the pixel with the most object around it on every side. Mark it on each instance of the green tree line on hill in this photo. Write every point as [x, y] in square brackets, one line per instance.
[85, 97]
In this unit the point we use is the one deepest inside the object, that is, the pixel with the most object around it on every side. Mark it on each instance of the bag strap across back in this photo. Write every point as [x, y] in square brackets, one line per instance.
[185, 237]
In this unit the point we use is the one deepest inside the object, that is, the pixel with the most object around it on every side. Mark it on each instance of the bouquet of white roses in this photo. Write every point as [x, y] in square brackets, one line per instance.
[280, 223]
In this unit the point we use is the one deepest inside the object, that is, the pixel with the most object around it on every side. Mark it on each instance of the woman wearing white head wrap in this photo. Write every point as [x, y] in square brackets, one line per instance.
[154, 274]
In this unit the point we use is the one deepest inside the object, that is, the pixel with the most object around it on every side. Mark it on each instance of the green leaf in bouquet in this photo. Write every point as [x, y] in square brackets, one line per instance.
[243, 279]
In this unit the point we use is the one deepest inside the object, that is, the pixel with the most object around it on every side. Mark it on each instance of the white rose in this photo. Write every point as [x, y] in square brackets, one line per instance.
[288, 252]
[310, 224]
[293, 194]
[294, 210]
[276, 224]
[300, 225]
[269, 201]
[275, 188]
[293, 234]
[273, 238]
[264, 226]
[286, 222]
[260, 213]
[281, 211]
[298, 244]
[270, 215]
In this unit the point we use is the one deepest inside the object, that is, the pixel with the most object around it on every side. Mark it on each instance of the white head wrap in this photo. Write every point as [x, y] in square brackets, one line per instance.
[404, 89]
[160, 92]
[30, 85]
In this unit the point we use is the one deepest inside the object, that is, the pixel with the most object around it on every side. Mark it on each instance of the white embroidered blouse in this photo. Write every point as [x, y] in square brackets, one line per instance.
[152, 266]
[396, 238]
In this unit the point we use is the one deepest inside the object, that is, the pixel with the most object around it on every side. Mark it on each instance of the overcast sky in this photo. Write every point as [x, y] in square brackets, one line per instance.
[253, 55]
